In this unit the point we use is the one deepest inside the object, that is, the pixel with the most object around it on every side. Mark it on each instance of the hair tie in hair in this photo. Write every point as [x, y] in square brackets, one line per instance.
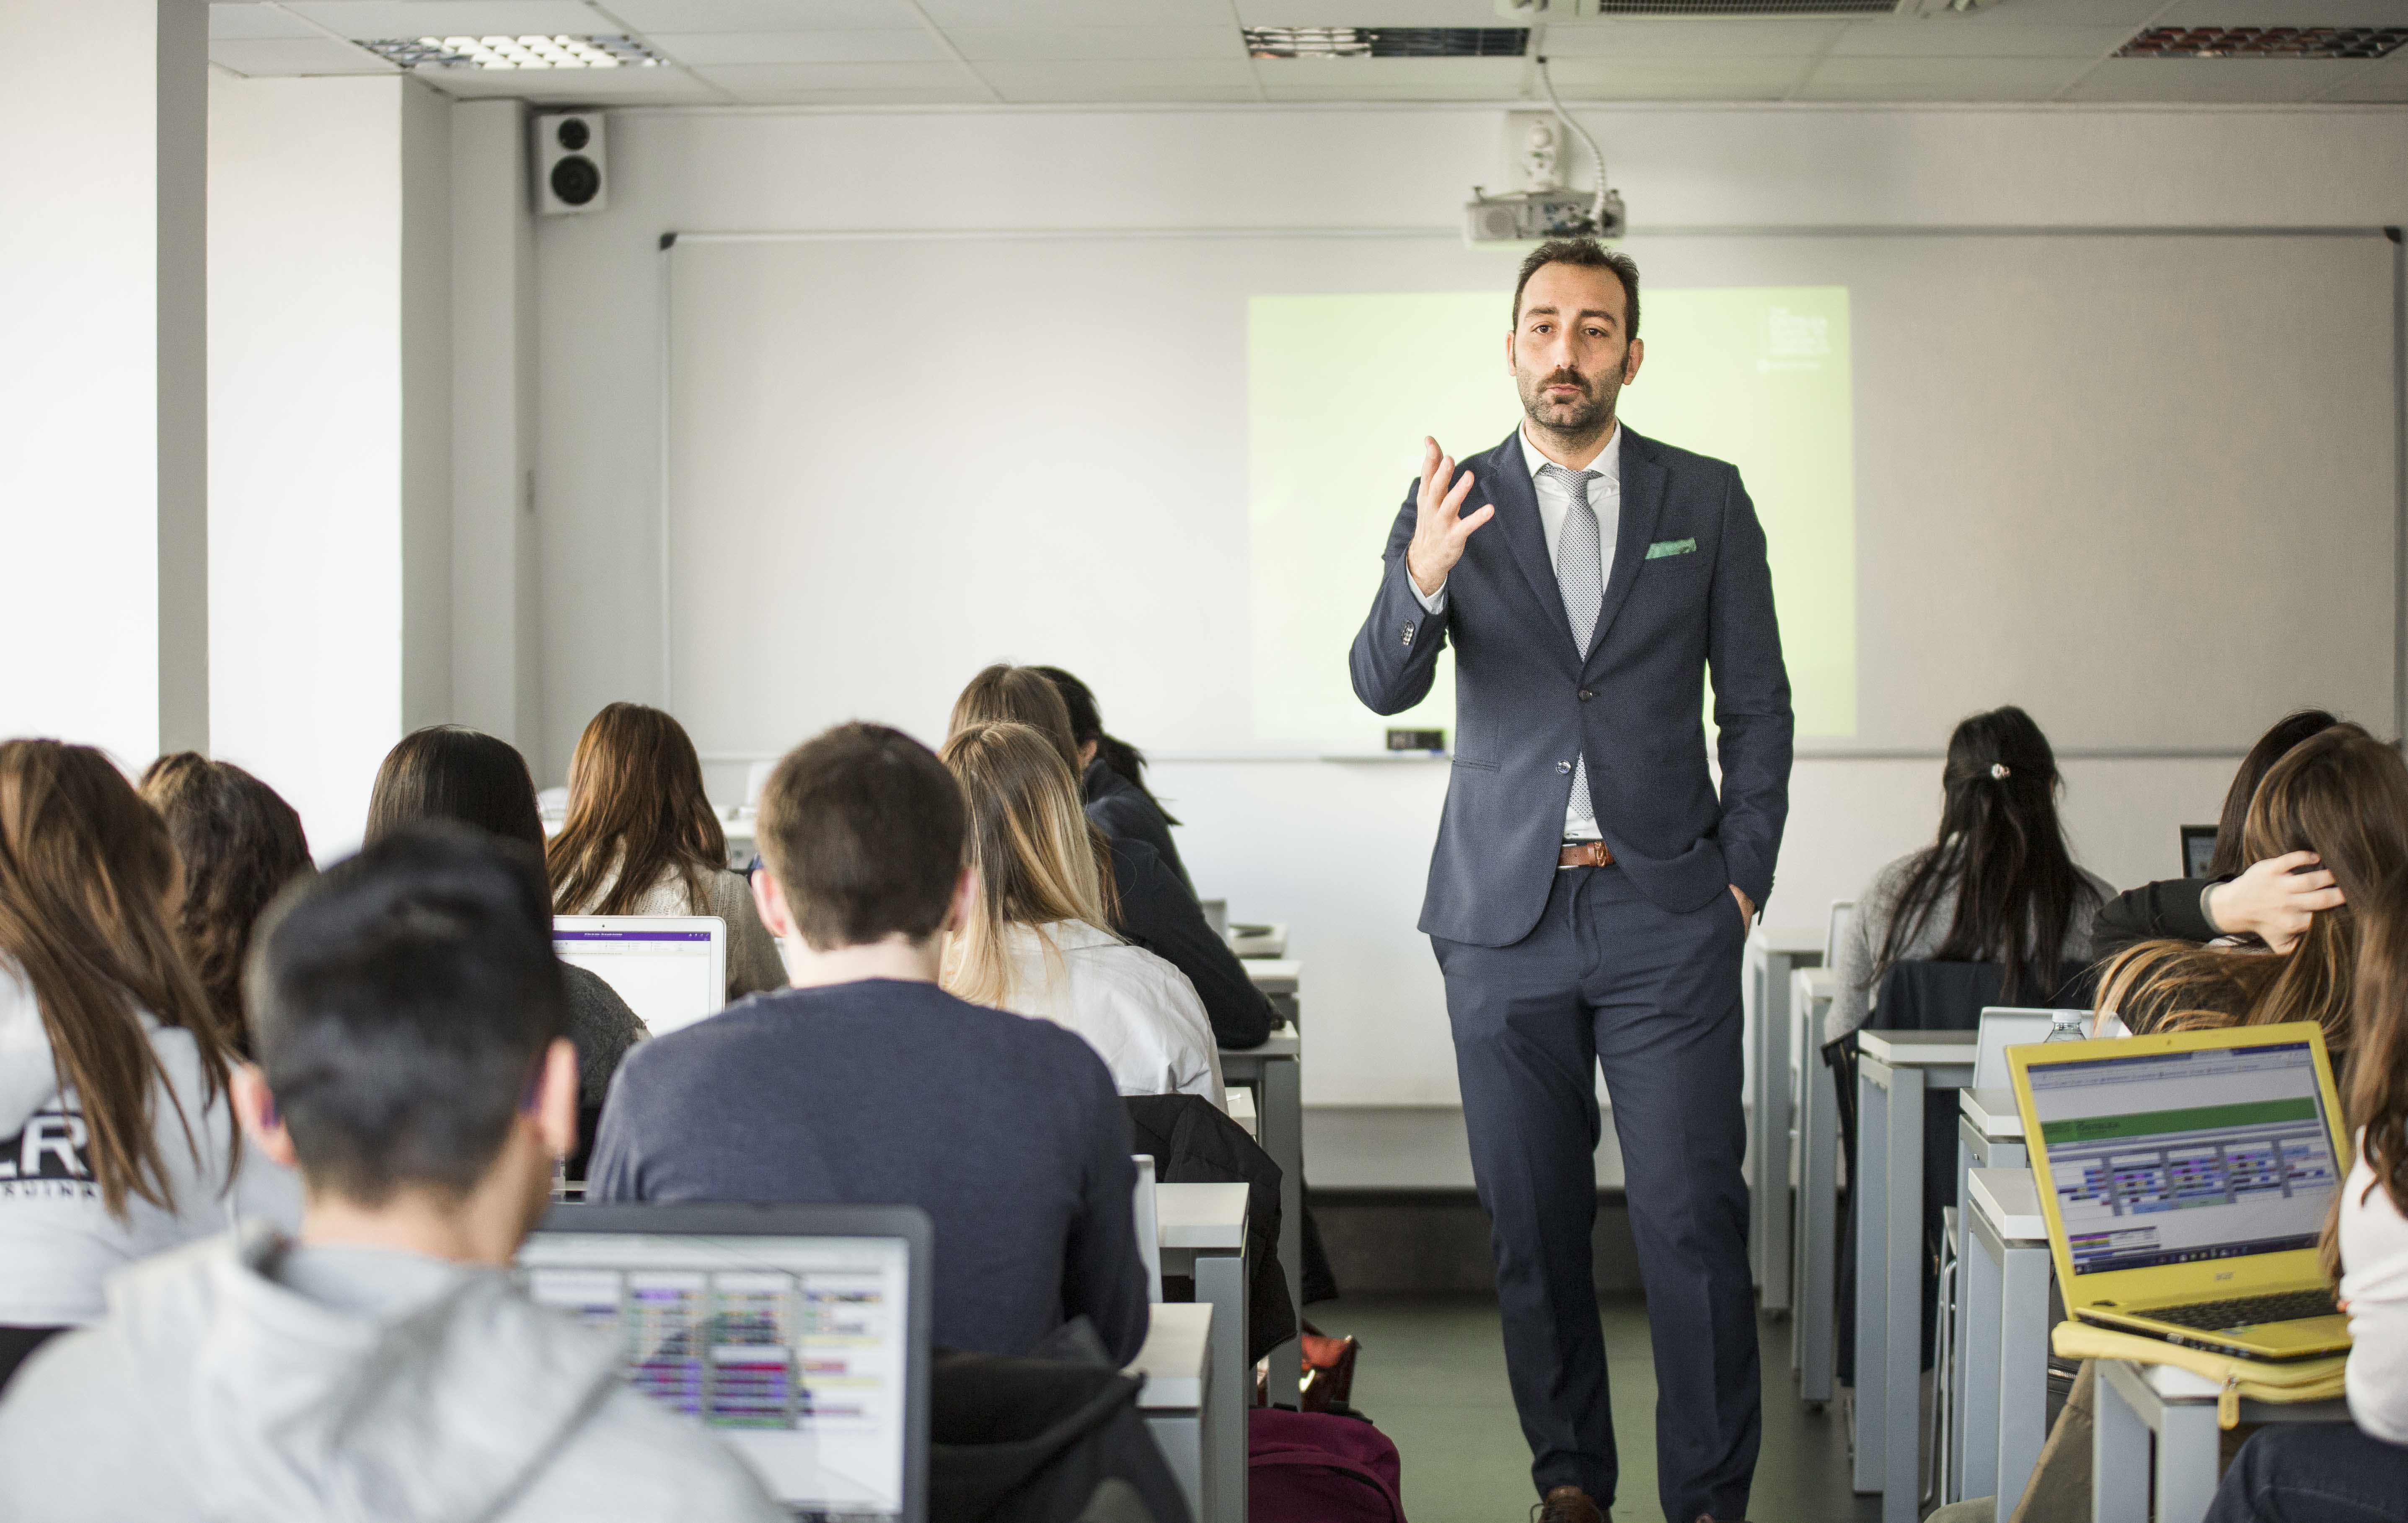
[1998, 769]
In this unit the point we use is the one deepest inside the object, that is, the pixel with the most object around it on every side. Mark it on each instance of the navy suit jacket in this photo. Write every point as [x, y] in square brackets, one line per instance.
[1689, 592]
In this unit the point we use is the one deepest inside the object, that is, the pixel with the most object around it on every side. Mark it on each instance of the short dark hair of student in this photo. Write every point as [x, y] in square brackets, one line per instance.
[239, 844]
[402, 1004]
[451, 773]
[2272, 747]
[1588, 253]
[863, 830]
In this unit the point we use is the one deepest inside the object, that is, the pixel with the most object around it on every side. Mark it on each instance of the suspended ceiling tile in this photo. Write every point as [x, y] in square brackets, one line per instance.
[1108, 92]
[1941, 37]
[1678, 79]
[1059, 42]
[454, 18]
[649, 16]
[2382, 80]
[1377, 89]
[2212, 80]
[2066, 12]
[575, 87]
[1940, 79]
[852, 45]
[1690, 39]
[254, 21]
[967, 93]
[996, 13]
[752, 80]
[1026, 80]
[1454, 78]
[273, 57]
[1372, 13]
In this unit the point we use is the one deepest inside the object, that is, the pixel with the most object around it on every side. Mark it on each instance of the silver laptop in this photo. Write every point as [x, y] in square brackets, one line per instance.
[671, 970]
[798, 1334]
[2004, 1027]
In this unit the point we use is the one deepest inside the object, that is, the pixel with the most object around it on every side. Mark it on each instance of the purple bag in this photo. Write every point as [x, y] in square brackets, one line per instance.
[1313, 1467]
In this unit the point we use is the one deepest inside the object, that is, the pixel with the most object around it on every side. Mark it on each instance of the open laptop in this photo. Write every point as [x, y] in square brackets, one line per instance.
[2185, 1179]
[2004, 1027]
[671, 970]
[798, 1334]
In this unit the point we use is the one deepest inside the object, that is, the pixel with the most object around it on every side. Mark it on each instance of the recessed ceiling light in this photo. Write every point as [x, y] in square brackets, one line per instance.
[527, 52]
[2326, 43]
[1386, 41]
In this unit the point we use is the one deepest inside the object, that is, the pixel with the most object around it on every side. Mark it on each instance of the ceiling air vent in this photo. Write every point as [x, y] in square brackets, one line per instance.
[2303, 42]
[1386, 41]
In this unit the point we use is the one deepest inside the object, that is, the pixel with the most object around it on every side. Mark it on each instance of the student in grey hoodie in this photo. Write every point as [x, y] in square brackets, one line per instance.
[409, 1014]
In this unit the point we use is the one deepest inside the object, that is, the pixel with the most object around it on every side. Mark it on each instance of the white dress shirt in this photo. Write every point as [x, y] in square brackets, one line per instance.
[1555, 505]
[1138, 1012]
[2374, 1282]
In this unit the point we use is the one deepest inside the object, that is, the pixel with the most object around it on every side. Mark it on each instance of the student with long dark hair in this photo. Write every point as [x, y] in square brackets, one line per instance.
[1112, 776]
[2272, 900]
[113, 1068]
[1996, 886]
[451, 773]
[239, 844]
[1146, 900]
[640, 840]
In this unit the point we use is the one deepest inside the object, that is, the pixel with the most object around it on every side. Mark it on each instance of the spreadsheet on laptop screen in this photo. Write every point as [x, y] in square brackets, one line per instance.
[2173, 1157]
[793, 1351]
[666, 976]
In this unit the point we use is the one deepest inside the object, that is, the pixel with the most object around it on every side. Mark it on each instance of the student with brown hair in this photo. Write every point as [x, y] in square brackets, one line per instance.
[641, 839]
[1035, 941]
[113, 1068]
[1150, 904]
[868, 1082]
[239, 844]
[2342, 794]
[1112, 776]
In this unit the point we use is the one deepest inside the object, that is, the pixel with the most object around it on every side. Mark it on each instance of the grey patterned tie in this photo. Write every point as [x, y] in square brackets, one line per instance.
[1580, 574]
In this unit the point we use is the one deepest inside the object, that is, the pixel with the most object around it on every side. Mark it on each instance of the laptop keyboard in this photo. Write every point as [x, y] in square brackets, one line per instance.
[2216, 1315]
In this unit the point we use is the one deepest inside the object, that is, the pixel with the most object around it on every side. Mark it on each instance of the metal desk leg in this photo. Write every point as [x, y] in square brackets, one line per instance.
[2022, 1366]
[1221, 1280]
[1900, 1306]
[1772, 1132]
[1869, 1194]
[2119, 1484]
[1976, 1434]
[1283, 1128]
[2187, 1456]
[1813, 1334]
[1963, 1381]
[1181, 1437]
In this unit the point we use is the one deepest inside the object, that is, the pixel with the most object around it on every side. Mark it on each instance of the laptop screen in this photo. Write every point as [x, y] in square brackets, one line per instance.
[2173, 1157]
[792, 1350]
[668, 975]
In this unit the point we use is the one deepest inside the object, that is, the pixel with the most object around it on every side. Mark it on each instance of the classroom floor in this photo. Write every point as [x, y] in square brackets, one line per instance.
[1432, 1376]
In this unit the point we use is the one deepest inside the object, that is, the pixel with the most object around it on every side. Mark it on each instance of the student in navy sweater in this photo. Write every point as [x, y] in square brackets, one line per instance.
[865, 1082]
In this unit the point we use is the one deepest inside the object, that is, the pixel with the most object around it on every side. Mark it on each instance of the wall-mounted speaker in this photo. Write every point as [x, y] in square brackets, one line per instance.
[570, 165]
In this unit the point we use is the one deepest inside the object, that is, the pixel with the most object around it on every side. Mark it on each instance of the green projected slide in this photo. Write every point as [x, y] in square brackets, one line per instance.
[1343, 388]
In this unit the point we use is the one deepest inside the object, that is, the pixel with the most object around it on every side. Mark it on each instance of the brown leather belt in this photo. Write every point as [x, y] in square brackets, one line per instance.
[1585, 853]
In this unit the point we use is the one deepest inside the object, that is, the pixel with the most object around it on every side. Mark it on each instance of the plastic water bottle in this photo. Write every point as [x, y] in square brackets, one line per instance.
[2066, 1026]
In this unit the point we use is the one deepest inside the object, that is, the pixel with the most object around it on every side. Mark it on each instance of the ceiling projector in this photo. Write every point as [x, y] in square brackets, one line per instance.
[1545, 207]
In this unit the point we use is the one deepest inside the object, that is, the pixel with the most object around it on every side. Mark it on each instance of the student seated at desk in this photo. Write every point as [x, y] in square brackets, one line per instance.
[239, 844]
[868, 1083]
[640, 840]
[1151, 904]
[1997, 885]
[408, 1013]
[1112, 776]
[2271, 899]
[1035, 941]
[451, 772]
[119, 1136]
[2355, 1472]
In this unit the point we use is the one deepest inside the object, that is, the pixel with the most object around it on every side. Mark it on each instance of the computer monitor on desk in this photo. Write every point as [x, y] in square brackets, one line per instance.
[798, 1334]
[671, 970]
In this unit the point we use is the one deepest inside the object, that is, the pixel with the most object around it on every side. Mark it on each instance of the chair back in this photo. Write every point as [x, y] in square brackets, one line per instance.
[1834, 927]
[1149, 1227]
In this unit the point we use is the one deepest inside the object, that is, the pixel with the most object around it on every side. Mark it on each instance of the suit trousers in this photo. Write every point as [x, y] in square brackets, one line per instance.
[1610, 980]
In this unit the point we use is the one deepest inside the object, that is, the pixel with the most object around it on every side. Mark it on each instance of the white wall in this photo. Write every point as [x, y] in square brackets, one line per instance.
[1341, 851]
[330, 481]
[102, 439]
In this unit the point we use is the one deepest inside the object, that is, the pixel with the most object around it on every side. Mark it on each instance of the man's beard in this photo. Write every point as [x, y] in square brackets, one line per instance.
[1586, 415]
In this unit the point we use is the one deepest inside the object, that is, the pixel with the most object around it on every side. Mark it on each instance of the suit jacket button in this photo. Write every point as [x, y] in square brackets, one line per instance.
[1586, 695]
[1562, 767]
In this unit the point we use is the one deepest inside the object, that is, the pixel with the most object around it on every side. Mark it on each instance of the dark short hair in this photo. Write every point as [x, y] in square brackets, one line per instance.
[401, 1003]
[451, 773]
[863, 830]
[1588, 253]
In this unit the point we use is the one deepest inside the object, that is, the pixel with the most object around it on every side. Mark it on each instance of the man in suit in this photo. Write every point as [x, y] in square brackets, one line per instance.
[1590, 891]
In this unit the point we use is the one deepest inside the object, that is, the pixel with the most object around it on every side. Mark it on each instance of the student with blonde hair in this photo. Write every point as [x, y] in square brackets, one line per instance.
[640, 840]
[1034, 942]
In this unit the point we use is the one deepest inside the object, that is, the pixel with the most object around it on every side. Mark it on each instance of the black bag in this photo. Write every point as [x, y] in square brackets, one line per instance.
[1034, 1440]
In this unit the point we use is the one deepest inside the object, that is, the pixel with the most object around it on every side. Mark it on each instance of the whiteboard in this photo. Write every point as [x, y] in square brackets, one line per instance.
[2146, 485]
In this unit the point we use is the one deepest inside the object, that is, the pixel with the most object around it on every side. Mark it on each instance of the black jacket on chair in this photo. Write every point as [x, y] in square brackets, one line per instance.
[1193, 1144]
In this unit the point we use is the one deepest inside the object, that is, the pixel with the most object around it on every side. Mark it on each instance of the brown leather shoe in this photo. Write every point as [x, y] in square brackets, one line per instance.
[1567, 1505]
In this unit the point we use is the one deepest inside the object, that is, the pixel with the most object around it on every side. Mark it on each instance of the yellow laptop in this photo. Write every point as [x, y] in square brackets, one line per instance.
[2185, 1179]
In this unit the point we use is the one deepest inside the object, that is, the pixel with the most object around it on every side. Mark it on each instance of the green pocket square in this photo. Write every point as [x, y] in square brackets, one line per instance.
[1662, 548]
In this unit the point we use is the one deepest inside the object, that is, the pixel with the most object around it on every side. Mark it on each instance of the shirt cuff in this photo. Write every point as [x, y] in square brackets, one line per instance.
[2207, 915]
[1430, 602]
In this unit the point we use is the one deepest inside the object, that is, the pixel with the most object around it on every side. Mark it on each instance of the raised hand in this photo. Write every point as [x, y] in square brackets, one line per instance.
[1439, 527]
[2274, 899]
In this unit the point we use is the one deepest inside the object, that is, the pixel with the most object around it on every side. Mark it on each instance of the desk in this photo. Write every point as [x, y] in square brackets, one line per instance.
[1242, 1111]
[1202, 1229]
[1279, 978]
[1815, 1256]
[1275, 1070]
[1176, 1365]
[2138, 1401]
[2002, 1331]
[1989, 1135]
[1772, 955]
[1895, 1070]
